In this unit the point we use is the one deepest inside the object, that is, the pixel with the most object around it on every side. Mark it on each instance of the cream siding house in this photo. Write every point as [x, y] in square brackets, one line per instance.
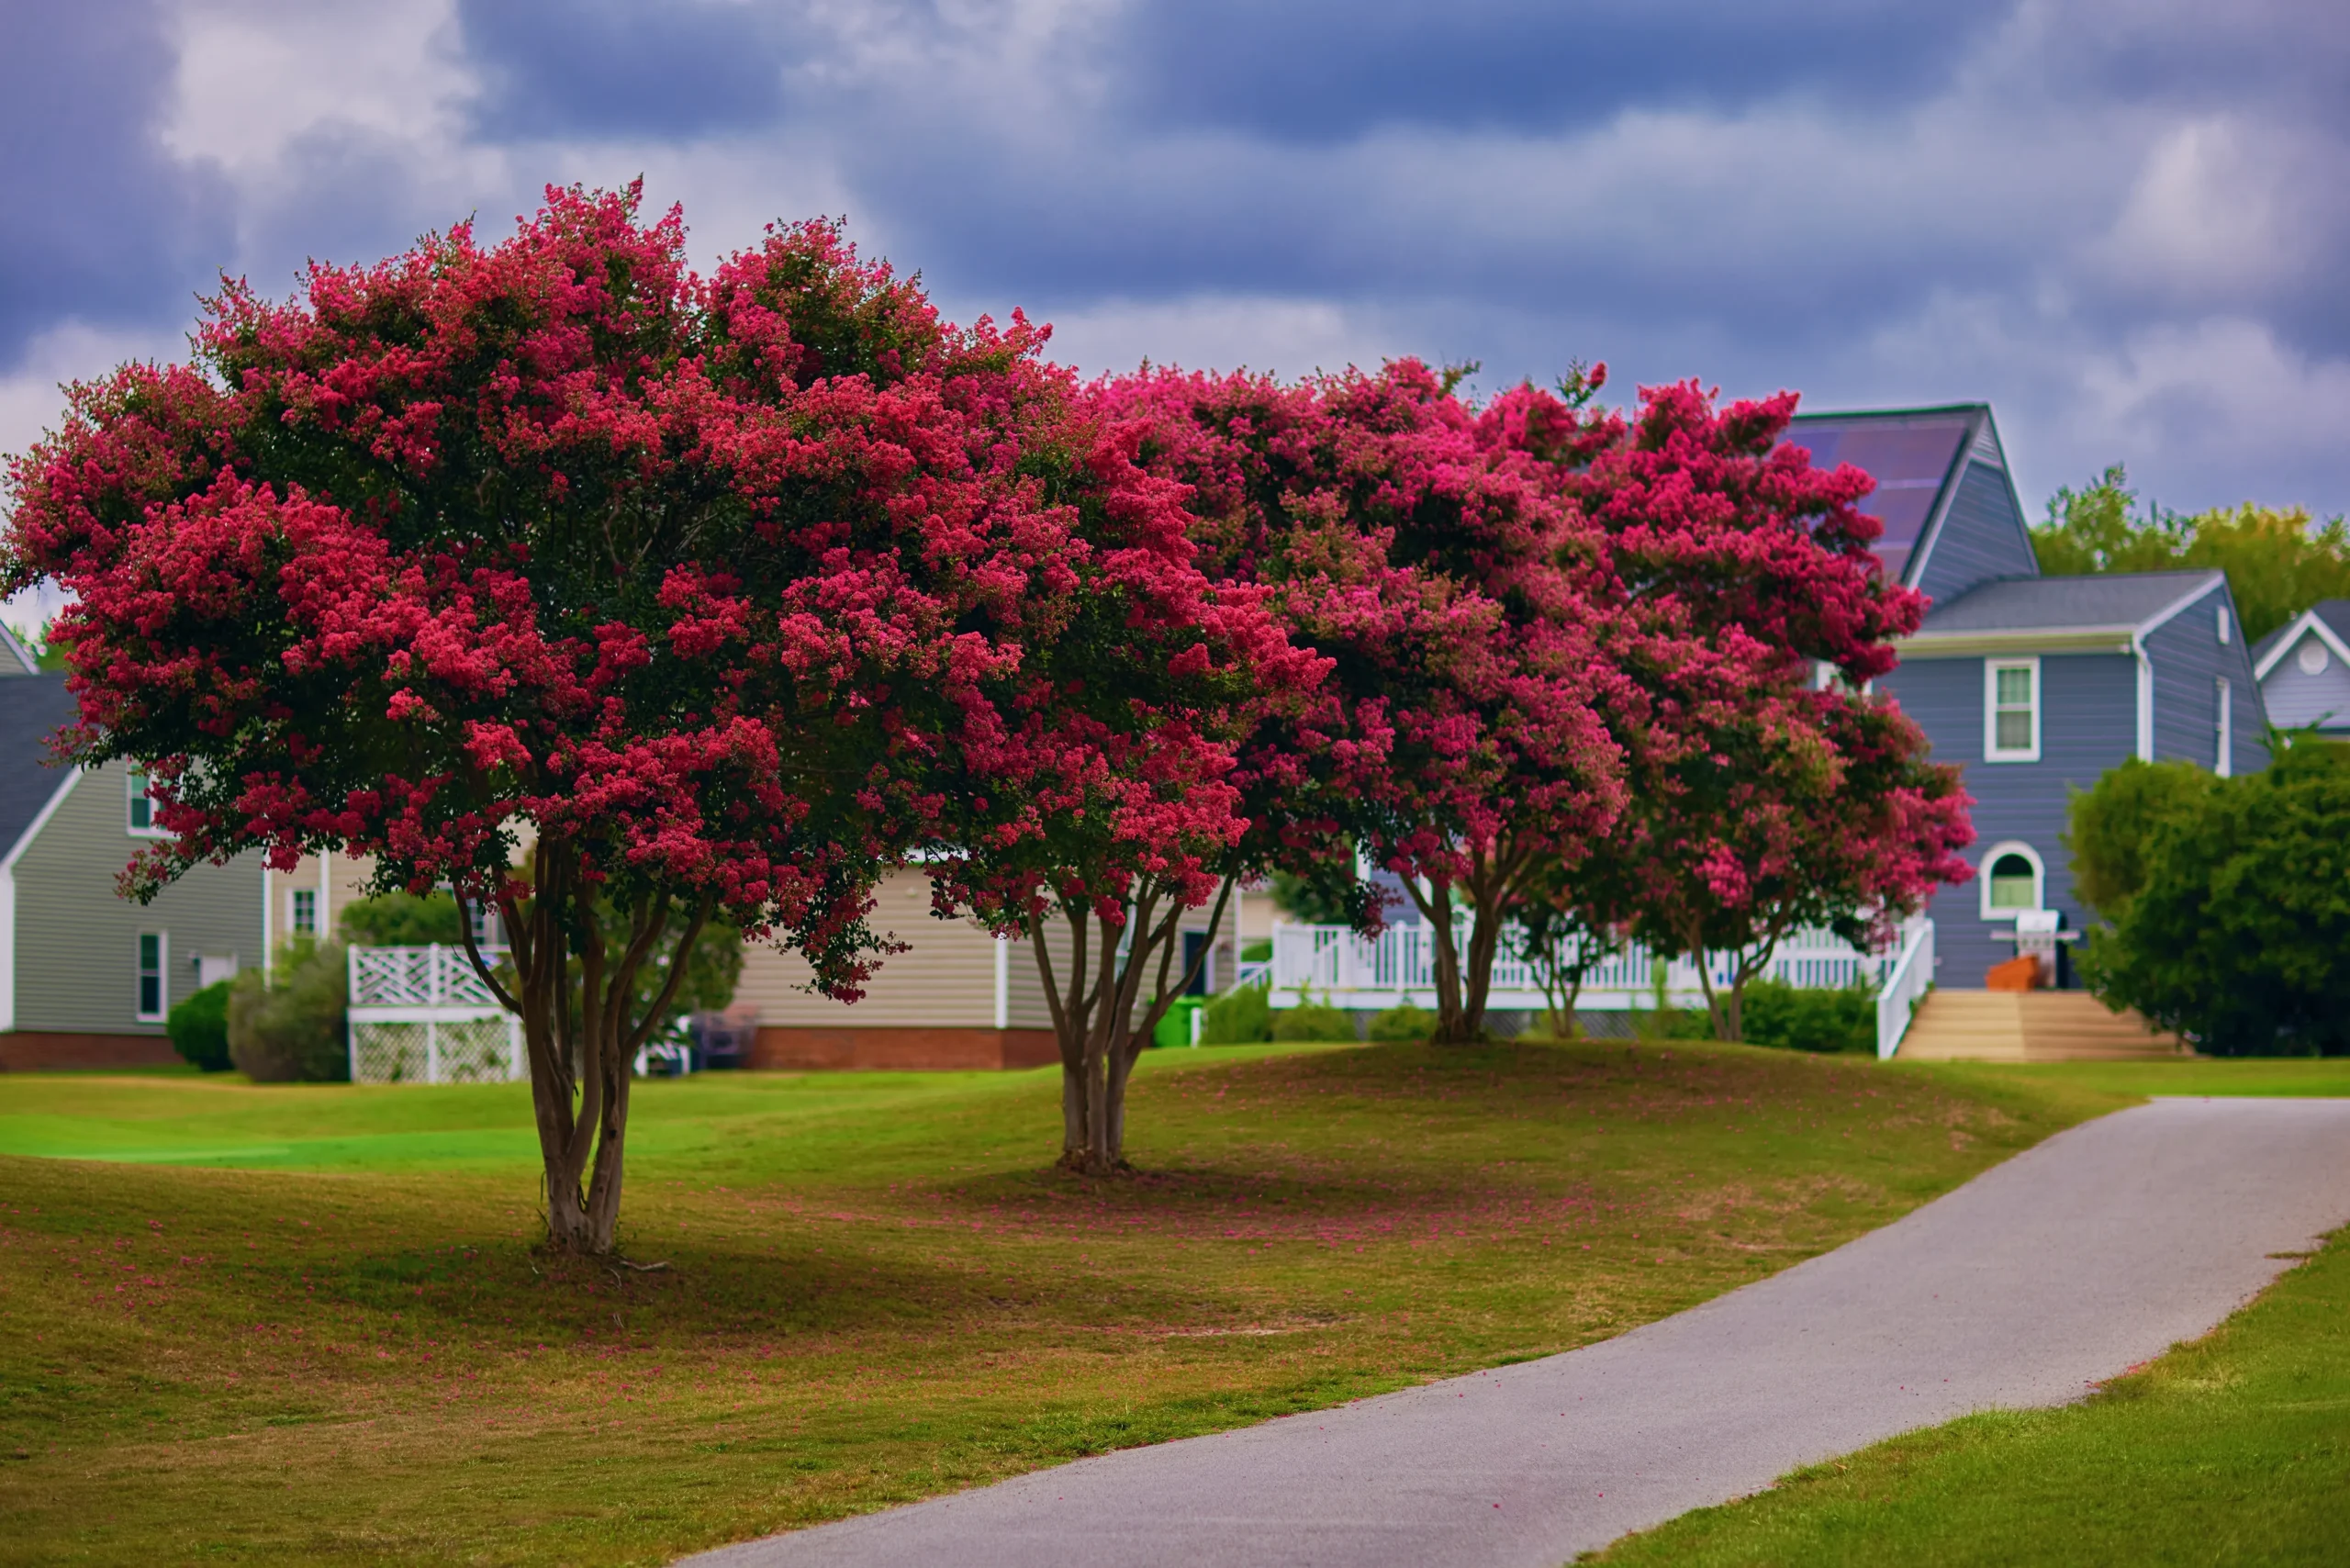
[956, 998]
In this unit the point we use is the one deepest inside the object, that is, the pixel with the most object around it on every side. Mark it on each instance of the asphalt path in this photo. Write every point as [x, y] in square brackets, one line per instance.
[2065, 1266]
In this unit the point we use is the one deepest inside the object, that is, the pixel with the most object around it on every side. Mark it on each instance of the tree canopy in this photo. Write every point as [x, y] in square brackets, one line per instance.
[2278, 561]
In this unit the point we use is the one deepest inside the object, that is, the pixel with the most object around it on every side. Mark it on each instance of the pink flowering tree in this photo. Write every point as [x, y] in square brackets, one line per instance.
[553, 572]
[1821, 810]
[1407, 537]
[1136, 782]
[1738, 574]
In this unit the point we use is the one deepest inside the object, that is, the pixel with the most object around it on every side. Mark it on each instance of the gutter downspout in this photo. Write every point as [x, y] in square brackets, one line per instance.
[2145, 699]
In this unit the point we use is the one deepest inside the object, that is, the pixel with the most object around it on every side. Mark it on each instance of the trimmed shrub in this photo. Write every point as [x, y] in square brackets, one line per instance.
[1405, 1023]
[2236, 935]
[1241, 1017]
[1793, 1018]
[200, 1028]
[292, 1032]
[1313, 1021]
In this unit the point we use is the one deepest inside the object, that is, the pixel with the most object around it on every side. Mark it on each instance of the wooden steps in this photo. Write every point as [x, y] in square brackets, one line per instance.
[2033, 1025]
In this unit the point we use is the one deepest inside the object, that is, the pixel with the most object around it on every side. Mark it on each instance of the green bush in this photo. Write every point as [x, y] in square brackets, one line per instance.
[1405, 1023]
[403, 920]
[200, 1028]
[1311, 1019]
[2238, 934]
[2110, 829]
[1241, 1017]
[292, 1032]
[1794, 1018]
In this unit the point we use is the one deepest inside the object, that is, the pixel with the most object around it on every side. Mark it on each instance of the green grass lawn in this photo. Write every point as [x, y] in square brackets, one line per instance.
[244, 1324]
[2234, 1449]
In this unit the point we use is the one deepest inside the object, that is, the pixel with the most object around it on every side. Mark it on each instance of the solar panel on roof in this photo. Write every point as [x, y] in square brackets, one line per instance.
[1909, 459]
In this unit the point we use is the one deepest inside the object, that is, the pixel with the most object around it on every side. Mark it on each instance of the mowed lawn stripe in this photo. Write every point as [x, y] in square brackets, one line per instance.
[878, 1289]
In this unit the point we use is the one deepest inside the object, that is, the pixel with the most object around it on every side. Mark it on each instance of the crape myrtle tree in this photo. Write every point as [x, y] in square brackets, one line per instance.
[1139, 778]
[557, 573]
[1409, 540]
[1763, 800]
[1817, 809]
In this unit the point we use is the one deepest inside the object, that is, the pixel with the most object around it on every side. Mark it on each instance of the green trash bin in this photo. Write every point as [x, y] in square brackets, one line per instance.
[1181, 1026]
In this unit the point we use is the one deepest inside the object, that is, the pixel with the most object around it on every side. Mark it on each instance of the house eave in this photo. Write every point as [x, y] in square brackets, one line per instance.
[2026, 640]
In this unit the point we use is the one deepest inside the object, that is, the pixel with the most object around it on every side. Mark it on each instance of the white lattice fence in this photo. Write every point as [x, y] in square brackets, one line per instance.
[423, 1015]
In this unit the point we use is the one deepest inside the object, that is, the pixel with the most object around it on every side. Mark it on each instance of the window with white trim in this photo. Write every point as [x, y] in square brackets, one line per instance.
[155, 996]
[2227, 626]
[2225, 724]
[2012, 710]
[302, 918]
[141, 821]
[2012, 880]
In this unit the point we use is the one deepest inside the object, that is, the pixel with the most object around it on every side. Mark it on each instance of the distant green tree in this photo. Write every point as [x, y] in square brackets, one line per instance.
[403, 920]
[2112, 827]
[2277, 563]
[2238, 935]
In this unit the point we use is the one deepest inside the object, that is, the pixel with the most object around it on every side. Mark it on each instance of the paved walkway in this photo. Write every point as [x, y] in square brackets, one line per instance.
[2064, 1266]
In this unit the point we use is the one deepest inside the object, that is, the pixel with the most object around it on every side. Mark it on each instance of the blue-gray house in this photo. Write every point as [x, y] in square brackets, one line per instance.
[2304, 669]
[2036, 685]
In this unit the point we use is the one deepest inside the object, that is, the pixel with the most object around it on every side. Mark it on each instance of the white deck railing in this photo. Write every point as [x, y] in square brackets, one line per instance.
[425, 1015]
[1332, 964]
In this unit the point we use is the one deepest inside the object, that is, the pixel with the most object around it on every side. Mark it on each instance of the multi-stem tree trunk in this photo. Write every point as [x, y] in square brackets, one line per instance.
[1490, 883]
[1094, 1011]
[581, 1038]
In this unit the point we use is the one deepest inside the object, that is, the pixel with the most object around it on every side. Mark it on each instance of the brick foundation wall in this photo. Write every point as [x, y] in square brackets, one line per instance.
[804, 1049]
[25, 1051]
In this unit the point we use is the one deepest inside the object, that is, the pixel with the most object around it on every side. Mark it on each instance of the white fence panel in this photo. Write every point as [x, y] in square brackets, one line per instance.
[424, 1015]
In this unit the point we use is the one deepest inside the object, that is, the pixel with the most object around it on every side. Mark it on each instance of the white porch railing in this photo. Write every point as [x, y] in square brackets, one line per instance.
[424, 1015]
[1904, 986]
[1334, 965]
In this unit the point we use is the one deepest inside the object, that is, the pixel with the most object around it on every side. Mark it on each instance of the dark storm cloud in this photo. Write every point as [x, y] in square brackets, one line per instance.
[1329, 70]
[611, 68]
[2125, 220]
[97, 223]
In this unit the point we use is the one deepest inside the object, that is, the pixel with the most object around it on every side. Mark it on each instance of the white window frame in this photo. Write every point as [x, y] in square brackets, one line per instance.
[2225, 724]
[133, 792]
[294, 897]
[2227, 627]
[1991, 856]
[163, 977]
[1992, 751]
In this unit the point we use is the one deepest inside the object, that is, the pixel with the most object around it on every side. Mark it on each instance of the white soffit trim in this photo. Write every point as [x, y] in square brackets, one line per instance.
[2164, 618]
[2042, 640]
[14, 647]
[32, 829]
[2306, 621]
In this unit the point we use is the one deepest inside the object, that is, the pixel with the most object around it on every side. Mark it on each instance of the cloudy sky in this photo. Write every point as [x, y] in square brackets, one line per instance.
[2122, 222]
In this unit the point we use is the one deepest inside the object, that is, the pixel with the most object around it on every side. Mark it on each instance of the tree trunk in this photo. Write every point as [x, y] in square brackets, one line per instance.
[585, 1056]
[1094, 1014]
[1463, 987]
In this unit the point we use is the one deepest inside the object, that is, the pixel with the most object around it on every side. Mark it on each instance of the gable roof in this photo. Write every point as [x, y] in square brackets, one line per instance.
[1916, 456]
[2104, 611]
[31, 709]
[2328, 616]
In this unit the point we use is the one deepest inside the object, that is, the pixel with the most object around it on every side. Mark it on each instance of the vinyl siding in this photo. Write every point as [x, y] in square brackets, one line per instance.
[76, 948]
[2296, 698]
[2189, 662]
[1981, 537]
[945, 978]
[2088, 724]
